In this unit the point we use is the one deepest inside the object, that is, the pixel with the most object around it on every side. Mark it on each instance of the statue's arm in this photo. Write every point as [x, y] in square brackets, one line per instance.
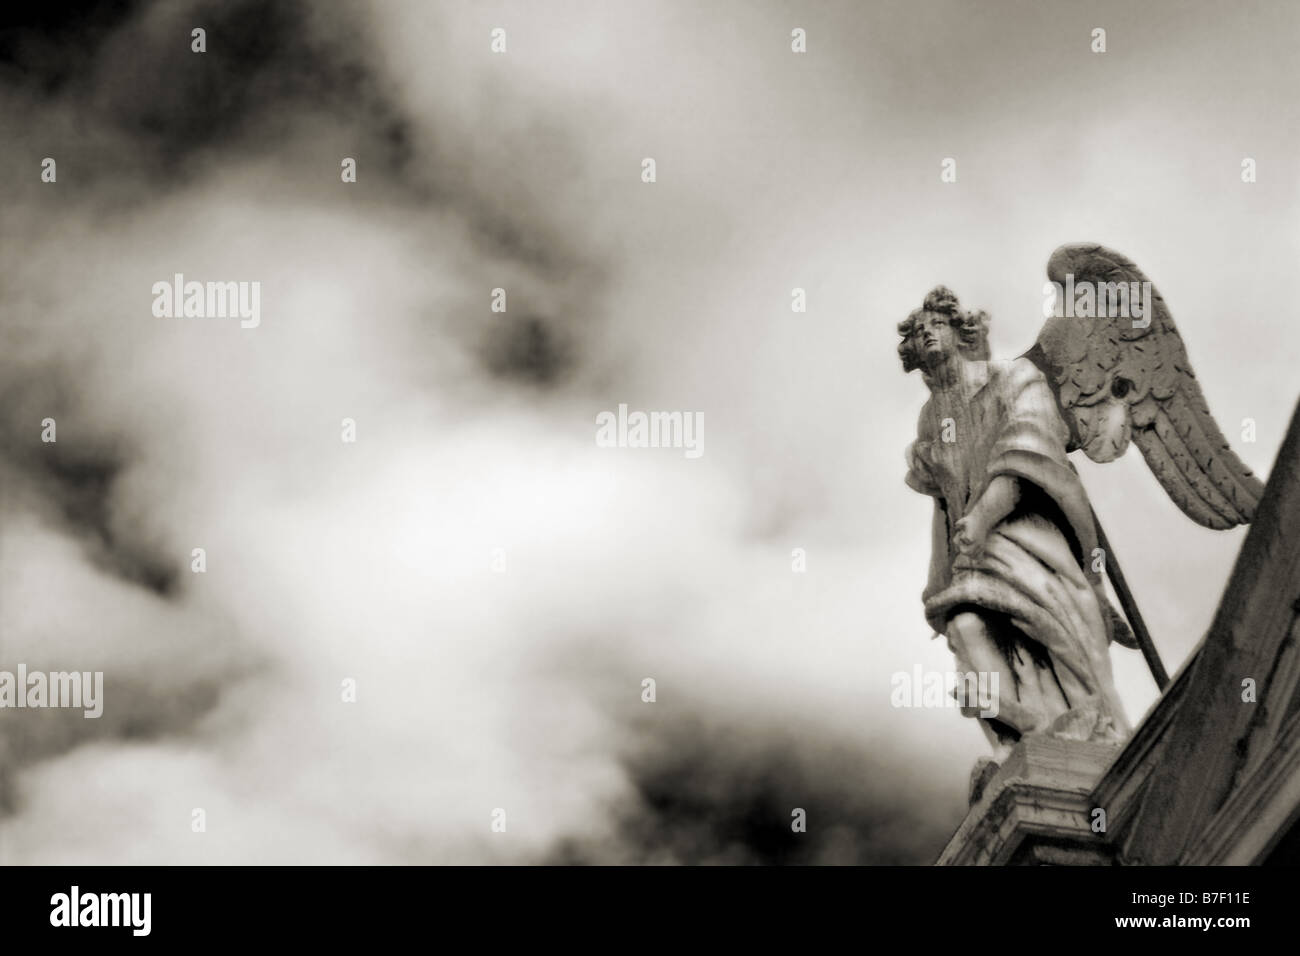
[1030, 406]
[999, 499]
[919, 478]
[940, 558]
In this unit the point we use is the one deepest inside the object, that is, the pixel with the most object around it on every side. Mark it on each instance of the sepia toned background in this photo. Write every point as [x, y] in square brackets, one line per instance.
[520, 689]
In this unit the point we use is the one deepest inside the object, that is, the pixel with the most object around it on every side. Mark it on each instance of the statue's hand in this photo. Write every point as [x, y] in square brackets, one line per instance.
[970, 534]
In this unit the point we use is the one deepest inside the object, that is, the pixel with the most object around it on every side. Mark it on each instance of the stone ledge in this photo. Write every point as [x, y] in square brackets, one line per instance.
[1037, 808]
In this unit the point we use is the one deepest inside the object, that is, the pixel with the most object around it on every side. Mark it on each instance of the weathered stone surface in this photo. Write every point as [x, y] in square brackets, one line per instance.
[1220, 754]
[1037, 808]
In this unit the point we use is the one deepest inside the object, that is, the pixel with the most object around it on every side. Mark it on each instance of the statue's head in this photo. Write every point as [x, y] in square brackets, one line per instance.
[940, 328]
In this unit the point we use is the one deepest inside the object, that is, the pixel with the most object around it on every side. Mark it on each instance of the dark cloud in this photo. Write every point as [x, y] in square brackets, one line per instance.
[529, 350]
[119, 95]
[45, 47]
[140, 711]
[721, 789]
[131, 114]
[75, 475]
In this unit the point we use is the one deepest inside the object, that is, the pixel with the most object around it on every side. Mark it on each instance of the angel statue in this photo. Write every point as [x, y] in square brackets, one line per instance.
[1015, 579]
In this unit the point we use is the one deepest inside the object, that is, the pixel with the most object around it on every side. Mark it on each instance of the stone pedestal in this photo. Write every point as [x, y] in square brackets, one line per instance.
[1037, 809]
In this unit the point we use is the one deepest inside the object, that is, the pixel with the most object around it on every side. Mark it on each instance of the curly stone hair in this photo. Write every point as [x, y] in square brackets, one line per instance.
[972, 328]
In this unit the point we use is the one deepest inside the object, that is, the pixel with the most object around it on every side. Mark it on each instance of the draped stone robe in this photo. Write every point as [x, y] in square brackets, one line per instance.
[1048, 622]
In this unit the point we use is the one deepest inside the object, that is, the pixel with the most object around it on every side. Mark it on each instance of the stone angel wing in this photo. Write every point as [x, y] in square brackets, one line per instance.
[1126, 376]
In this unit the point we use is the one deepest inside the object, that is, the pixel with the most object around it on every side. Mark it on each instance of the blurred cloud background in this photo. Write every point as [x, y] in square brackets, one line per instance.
[373, 561]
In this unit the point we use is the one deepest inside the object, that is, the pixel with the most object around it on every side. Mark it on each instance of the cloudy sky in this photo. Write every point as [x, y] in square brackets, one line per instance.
[372, 561]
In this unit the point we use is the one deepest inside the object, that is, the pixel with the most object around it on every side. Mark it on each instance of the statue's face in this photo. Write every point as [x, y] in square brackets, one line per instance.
[937, 337]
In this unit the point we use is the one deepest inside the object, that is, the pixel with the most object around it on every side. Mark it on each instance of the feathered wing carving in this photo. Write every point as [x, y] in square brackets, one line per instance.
[1118, 378]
